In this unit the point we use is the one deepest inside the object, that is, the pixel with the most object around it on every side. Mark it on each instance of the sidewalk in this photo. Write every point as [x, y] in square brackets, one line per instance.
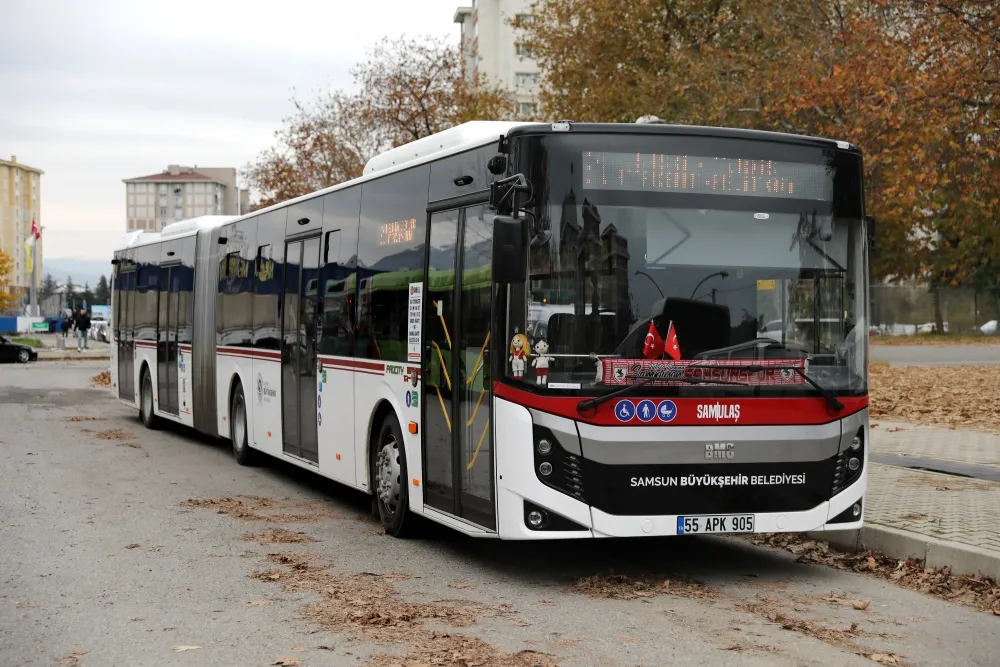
[49, 351]
[942, 519]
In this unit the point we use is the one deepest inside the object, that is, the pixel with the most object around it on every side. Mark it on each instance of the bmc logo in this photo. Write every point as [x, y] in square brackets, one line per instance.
[715, 451]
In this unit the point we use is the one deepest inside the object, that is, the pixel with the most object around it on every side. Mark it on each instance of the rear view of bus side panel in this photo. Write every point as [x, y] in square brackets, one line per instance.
[115, 309]
[182, 278]
[143, 315]
[387, 263]
[335, 389]
[263, 396]
[234, 319]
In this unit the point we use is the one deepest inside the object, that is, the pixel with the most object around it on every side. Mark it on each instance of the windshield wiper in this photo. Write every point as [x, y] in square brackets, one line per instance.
[596, 401]
[756, 368]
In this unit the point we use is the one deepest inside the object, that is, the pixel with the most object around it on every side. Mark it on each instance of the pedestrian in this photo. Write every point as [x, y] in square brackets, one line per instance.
[82, 328]
[67, 324]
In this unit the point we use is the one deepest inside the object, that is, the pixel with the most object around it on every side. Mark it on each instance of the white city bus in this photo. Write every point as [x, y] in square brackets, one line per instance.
[381, 332]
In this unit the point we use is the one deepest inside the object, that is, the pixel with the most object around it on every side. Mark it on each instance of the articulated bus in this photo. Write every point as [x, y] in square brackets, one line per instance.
[533, 331]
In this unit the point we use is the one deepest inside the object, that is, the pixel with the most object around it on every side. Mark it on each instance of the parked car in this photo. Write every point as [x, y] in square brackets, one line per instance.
[11, 351]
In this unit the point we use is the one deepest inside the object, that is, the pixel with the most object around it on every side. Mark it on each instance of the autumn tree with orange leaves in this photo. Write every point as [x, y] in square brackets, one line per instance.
[914, 83]
[408, 89]
[8, 298]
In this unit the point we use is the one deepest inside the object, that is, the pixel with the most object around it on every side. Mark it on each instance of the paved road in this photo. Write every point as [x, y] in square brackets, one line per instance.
[100, 554]
[936, 355]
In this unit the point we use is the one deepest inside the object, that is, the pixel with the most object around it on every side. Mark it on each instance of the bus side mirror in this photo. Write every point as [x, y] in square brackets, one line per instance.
[510, 249]
[870, 229]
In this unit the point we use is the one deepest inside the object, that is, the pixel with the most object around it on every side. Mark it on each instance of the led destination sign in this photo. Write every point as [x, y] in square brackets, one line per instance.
[690, 174]
[394, 233]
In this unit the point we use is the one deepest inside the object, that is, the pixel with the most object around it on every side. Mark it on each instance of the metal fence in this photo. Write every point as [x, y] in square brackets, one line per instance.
[908, 309]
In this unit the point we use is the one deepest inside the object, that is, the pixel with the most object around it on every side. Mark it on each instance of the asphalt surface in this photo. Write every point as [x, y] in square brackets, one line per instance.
[936, 355]
[101, 556]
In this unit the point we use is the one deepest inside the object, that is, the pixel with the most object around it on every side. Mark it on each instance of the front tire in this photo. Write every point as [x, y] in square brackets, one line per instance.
[388, 463]
[146, 413]
[239, 433]
[23, 356]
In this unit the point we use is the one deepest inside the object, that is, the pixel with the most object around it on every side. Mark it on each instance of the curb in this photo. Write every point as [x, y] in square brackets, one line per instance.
[933, 552]
[74, 357]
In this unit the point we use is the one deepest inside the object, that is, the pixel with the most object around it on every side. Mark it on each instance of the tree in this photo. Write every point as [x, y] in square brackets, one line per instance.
[102, 293]
[49, 286]
[409, 88]
[69, 292]
[913, 83]
[9, 298]
[87, 296]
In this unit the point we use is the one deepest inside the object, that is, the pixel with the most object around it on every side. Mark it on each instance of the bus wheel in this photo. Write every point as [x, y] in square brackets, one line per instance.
[238, 431]
[389, 465]
[149, 418]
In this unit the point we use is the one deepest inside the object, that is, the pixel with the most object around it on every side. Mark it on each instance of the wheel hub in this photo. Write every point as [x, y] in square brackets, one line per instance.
[388, 474]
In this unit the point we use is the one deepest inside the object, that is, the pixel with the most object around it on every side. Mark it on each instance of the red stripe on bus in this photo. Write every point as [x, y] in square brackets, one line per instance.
[752, 411]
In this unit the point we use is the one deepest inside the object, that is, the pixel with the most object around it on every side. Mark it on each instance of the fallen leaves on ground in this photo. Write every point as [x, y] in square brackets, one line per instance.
[976, 591]
[860, 605]
[278, 536]
[72, 658]
[885, 658]
[181, 649]
[625, 587]
[259, 603]
[287, 662]
[114, 434]
[85, 419]
[132, 546]
[250, 508]
[950, 396]
[102, 379]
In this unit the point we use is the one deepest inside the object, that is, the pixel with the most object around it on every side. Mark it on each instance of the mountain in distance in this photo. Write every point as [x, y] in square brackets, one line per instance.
[81, 270]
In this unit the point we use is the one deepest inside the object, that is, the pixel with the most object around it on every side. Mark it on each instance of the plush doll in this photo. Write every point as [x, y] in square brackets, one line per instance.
[541, 363]
[519, 352]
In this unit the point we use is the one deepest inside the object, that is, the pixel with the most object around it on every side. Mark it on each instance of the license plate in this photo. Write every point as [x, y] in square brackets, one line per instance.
[716, 523]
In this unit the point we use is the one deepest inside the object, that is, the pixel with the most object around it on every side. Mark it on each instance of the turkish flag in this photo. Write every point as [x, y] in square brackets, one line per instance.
[673, 348]
[653, 348]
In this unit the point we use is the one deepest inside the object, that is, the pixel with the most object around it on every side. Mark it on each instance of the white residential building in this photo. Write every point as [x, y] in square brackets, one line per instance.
[491, 49]
[180, 193]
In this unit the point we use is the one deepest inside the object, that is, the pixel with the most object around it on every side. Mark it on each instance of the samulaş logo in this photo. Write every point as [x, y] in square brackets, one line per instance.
[719, 411]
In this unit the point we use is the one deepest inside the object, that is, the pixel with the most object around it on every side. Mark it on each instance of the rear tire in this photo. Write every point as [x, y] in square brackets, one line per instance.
[146, 411]
[389, 475]
[238, 431]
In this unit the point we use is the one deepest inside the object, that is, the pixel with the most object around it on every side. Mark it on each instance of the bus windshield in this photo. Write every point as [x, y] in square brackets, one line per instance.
[631, 285]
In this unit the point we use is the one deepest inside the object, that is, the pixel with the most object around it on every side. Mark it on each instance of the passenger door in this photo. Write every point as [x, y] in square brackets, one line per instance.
[456, 396]
[298, 349]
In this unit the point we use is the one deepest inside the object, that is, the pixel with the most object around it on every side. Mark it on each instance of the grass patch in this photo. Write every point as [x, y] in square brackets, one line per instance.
[30, 342]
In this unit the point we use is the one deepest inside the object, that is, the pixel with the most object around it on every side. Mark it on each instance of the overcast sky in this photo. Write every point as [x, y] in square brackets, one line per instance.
[97, 91]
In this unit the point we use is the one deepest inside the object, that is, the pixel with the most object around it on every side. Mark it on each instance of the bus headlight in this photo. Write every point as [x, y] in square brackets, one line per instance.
[856, 443]
[544, 447]
[535, 519]
[545, 469]
[853, 464]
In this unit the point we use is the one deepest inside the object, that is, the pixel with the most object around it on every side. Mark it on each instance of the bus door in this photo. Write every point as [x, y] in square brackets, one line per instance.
[298, 349]
[126, 344]
[458, 459]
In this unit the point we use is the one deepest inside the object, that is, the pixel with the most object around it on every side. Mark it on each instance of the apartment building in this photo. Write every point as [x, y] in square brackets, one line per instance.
[20, 201]
[491, 48]
[178, 193]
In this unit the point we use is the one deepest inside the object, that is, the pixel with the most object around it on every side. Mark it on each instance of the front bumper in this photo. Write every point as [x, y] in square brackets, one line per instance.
[607, 507]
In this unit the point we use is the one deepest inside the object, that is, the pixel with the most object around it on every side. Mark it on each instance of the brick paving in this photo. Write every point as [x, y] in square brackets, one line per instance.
[976, 447]
[947, 507]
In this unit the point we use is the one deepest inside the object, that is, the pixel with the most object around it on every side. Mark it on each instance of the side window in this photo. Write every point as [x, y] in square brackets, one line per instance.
[268, 256]
[234, 308]
[147, 293]
[339, 261]
[390, 256]
[449, 177]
